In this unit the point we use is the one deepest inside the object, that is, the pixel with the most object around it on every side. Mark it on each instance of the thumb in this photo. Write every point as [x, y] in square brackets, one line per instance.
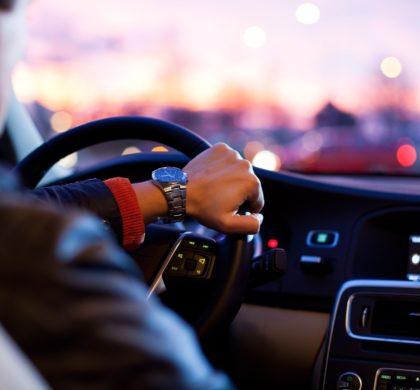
[243, 224]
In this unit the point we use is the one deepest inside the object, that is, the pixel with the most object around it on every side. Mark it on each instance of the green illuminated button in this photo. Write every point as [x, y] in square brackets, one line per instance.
[386, 377]
[322, 238]
[205, 246]
[191, 243]
[401, 378]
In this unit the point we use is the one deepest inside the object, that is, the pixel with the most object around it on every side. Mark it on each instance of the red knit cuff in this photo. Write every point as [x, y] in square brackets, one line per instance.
[131, 215]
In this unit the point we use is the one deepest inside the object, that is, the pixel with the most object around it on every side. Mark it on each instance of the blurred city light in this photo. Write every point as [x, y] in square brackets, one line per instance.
[69, 162]
[391, 67]
[267, 160]
[254, 37]
[160, 149]
[196, 66]
[312, 141]
[406, 155]
[131, 150]
[308, 13]
[61, 121]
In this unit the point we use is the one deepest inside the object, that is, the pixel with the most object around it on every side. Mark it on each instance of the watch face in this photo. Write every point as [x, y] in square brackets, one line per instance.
[169, 174]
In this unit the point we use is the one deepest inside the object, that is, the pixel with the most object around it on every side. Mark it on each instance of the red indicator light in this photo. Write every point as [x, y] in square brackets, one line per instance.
[273, 243]
[406, 155]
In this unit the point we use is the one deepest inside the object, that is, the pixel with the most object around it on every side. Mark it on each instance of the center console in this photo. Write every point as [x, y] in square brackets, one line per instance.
[374, 338]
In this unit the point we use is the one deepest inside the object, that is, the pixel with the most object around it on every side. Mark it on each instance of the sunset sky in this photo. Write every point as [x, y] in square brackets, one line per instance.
[202, 54]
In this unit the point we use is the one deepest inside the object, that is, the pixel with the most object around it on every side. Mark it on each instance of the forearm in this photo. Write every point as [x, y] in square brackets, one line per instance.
[90, 195]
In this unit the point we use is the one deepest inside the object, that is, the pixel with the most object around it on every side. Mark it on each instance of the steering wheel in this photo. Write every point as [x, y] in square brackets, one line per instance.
[207, 304]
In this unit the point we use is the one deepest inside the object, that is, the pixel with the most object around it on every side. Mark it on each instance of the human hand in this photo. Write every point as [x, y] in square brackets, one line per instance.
[219, 183]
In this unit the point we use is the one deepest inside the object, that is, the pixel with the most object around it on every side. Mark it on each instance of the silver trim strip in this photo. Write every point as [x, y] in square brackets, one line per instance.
[374, 338]
[158, 279]
[359, 283]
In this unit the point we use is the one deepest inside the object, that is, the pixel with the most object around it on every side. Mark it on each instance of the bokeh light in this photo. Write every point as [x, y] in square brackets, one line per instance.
[308, 13]
[406, 155]
[252, 148]
[131, 150]
[312, 141]
[254, 37]
[160, 149]
[391, 67]
[267, 160]
[69, 162]
[61, 121]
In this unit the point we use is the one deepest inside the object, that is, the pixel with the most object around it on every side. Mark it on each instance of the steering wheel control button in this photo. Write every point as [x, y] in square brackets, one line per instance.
[190, 265]
[322, 239]
[193, 260]
[349, 381]
[201, 264]
[311, 264]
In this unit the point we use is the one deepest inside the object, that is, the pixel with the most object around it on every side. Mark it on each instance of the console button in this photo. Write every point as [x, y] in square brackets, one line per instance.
[322, 238]
[315, 264]
[349, 381]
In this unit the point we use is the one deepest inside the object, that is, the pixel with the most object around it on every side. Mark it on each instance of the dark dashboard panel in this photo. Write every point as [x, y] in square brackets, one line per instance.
[373, 227]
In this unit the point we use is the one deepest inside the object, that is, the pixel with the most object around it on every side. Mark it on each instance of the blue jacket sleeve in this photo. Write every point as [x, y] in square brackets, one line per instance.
[89, 195]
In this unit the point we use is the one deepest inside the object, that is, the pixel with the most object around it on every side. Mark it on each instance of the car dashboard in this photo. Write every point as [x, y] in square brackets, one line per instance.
[353, 251]
[292, 331]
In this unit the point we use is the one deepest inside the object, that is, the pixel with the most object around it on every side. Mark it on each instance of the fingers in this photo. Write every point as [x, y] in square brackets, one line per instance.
[243, 224]
[220, 181]
[255, 198]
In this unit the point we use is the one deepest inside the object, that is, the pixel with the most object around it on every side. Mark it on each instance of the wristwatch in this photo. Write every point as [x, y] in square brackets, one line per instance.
[173, 183]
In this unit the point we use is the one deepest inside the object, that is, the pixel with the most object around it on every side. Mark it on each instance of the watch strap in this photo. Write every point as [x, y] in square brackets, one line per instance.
[176, 197]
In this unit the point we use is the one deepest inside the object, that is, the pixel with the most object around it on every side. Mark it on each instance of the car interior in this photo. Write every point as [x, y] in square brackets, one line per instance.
[327, 294]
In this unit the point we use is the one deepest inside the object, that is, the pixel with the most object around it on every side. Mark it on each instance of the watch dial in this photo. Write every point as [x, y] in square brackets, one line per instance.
[169, 174]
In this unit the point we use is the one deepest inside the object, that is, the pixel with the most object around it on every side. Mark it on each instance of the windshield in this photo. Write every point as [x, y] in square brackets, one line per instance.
[329, 86]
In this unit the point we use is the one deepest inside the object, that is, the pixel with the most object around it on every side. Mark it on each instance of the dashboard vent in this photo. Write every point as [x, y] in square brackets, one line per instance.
[397, 318]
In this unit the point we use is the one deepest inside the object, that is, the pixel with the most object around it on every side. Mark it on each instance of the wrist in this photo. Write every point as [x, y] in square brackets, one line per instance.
[152, 201]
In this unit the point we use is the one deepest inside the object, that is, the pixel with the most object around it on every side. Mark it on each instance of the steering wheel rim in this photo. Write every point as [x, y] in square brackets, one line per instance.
[231, 286]
[34, 166]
